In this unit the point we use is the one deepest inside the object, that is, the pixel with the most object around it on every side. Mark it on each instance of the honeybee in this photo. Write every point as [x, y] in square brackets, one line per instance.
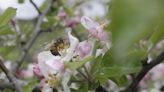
[57, 46]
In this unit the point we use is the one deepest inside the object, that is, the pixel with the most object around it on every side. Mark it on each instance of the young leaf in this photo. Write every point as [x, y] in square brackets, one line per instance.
[75, 65]
[7, 16]
[117, 71]
[4, 30]
[120, 81]
[158, 34]
[96, 64]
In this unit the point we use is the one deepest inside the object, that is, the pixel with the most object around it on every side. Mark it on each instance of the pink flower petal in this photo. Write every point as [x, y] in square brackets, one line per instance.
[84, 48]
[37, 72]
[88, 23]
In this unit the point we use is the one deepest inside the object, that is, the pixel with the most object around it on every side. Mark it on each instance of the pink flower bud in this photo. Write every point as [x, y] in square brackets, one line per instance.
[37, 72]
[71, 23]
[62, 14]
[94, 29]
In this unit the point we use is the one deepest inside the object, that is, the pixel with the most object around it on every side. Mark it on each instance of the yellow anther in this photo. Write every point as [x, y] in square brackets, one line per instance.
[102, 25]
[53, 82]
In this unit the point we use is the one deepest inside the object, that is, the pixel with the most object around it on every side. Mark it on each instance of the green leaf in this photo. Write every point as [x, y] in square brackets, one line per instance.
[93, 85]
[108, 59]
[75, 65]
[84, 87]
[132, 21]
[6, 50]
[51, 21]
[120, 81]
[134, 57]
[4, 30]
[96, 64]
[117, 71]
[7, 16]
[31, 85]
[102, 79]
[117, 74]
[158, 34]
[20, 1]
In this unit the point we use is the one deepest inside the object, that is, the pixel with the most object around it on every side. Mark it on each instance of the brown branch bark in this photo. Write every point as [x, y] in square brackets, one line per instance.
[10, 76]
[35, 35]
[39, 12]
[143, 72]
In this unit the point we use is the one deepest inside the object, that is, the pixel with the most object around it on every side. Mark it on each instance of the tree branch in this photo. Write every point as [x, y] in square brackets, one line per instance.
[11, 78]
[35, 35]
[143, 72]
[83, 75]
[39, 12]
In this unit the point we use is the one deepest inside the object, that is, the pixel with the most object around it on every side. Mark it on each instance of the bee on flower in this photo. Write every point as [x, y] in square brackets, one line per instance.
[51, 68]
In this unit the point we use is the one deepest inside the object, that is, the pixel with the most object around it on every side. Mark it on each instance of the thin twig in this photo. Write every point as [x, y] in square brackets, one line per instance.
[85, 69]
[16, 27]
[82, 74]
[35, 35]
[11, 78]
[39, 12]
[18, 33]
[143, 72]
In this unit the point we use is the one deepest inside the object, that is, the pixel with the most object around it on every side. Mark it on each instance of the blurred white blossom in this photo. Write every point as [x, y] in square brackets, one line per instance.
[93, 9]
[25, 11]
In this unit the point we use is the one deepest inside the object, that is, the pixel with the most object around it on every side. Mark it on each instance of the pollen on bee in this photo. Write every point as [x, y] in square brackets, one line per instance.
[56, 47]
[46, 81]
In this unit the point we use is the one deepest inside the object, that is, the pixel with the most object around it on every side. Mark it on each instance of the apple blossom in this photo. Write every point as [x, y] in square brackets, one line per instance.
[52, 67]
[96, 30]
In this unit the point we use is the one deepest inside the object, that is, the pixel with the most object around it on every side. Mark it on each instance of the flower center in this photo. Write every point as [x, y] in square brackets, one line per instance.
[102, 25]
[52, 81]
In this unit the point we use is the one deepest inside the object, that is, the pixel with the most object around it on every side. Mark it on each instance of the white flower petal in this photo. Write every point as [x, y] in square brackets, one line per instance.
[84, 48]
[55, 65]
[73, 44]
[88, 23]
[45, 55]
[42, 58]
[99, 52]
[65, 80]
[25, 11]
[46, 88]
[94, 9]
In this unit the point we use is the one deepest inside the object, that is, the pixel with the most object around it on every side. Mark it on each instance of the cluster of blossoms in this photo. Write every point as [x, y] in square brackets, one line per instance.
[154, 80]
[67, 20]
[51, 69]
